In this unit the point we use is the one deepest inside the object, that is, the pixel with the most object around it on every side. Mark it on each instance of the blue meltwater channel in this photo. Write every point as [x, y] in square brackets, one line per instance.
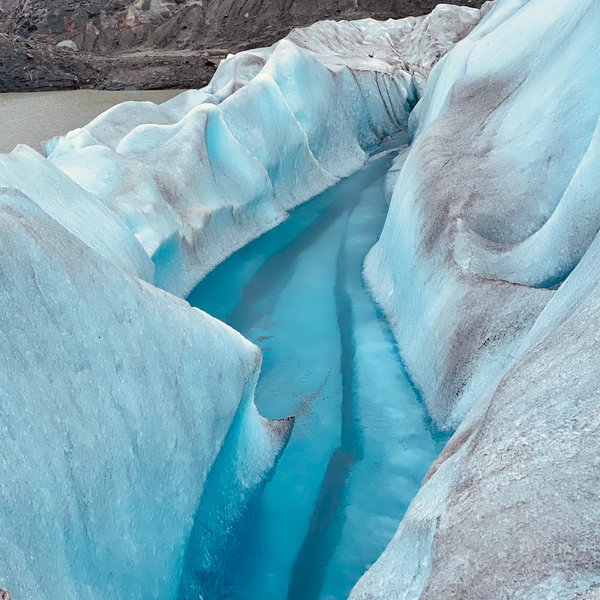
[362, 440]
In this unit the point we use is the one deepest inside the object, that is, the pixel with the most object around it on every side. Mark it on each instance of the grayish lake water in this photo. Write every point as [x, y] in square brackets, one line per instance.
[31, 118]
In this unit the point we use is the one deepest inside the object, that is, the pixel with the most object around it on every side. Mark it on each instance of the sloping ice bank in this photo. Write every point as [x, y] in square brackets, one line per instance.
[487, 271]
[201, 175]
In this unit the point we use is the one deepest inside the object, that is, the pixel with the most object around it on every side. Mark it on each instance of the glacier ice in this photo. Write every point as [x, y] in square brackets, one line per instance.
[465, 248]
[361, 441]
[487, 271]
[118, 402]
[58, 196]
[109, 427]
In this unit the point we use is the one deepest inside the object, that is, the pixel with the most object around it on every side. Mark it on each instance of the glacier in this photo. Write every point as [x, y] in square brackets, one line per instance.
[119, 402]
[167, 171]
[361, 442]
[487, 272]
[129, 428]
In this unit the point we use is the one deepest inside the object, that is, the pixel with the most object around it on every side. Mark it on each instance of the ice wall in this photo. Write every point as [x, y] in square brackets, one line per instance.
[495, 208]
[78, 211]
[199, 176]
[115, 400]
[496, 199]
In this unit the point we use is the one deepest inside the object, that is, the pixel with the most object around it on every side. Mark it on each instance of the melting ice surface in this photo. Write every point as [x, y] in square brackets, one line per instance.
[362, 440]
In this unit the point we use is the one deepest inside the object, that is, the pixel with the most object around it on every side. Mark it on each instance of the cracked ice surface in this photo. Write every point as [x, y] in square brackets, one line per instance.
[496, 206]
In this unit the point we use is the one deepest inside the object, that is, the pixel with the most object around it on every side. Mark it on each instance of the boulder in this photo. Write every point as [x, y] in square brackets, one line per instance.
[69, 45]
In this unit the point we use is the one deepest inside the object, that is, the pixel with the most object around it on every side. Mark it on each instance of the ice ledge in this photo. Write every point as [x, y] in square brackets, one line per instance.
[196, 178]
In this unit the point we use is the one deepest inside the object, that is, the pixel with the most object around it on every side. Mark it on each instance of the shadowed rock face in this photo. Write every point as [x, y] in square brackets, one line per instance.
[4, 595]
[29, 65]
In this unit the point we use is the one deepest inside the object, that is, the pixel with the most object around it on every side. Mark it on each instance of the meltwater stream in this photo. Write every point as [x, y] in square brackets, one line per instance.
[361, 442]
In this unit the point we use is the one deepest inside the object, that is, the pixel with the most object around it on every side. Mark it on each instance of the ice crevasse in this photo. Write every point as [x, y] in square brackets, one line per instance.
[487, 269]
[116, 397]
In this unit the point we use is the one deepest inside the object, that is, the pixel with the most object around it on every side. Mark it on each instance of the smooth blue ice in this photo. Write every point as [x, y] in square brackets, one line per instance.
[361, 443]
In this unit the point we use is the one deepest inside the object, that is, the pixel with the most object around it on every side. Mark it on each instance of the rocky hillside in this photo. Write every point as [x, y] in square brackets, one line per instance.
[156, 43]
[28, 65]
[112, 25]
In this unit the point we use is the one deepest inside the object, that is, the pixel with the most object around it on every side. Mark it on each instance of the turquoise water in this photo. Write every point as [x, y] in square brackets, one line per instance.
[362, 440]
